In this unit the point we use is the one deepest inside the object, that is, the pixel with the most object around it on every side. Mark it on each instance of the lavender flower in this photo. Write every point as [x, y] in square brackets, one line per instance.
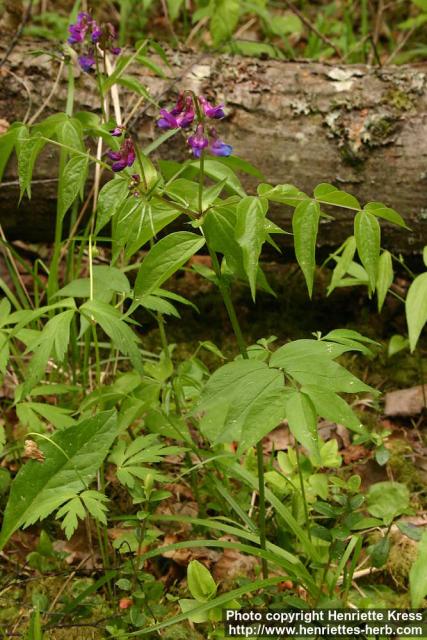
[118, 130]
[87, 61]
[198, 141]
[210, 111]
[123, 158]
[218, 147]
[96, 33]
[178, 117]
[79, 29]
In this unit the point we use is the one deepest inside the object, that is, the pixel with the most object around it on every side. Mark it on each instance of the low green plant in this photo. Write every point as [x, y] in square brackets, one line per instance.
[121, 414]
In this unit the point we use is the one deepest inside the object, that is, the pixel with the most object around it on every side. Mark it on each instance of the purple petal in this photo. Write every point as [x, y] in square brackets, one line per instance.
[220, 148]
[119, 166]
[114, 155]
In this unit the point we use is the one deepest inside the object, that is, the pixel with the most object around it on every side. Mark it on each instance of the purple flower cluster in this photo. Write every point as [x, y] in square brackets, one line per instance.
[123, 158]
[104, 37]
[183, 115]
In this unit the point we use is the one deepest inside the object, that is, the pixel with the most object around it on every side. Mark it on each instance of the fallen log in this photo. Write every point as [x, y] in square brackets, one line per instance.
[363, 129]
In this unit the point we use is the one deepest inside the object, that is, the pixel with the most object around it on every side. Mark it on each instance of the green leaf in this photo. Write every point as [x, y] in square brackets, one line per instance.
[54, 340]
[219, 171]
[282, 193]
[27, 149]
[174, 8]
[242, 401]
[305, 222]
[71, 183]
[320, 371]
[343, 263]
[387, 500]
[131, 460]
[110, 199]
[385, 277]
[250, 234]
[381, 211]
[224, 20]
[164, 259]
[145, 223]
[301, 416]
[200, 582]
[397, 343]
[332, 407]
[106, 280]
[7, 143]
[418, 574]
[368, 239]
[121, 335]
[72, 458]
[329, 194]
[416, 308]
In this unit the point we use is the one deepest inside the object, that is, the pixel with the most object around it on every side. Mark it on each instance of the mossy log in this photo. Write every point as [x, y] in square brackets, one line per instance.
[363, 129]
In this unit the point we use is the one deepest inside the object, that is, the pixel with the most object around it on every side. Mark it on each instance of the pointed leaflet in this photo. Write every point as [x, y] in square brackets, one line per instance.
[71, 182]
[121, 335]
[72, 458]
[418, 574]
[385, 277]
[224, 19]
[53, 339]
[329, 194]
[239, 402]
[368, 239]
[416, 308]
[305, 222]
[331, 407]
[27, 148]
[164, 258]
[110, 199]
[301, 416]
[381, 211]
[343, 262]
[250, 234]
[7, 143]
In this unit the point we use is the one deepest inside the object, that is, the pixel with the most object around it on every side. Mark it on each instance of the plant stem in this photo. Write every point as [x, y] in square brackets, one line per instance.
[228, 302]
[304, 497]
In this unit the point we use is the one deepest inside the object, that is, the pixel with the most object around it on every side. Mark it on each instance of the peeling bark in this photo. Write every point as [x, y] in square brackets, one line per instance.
[361, 128]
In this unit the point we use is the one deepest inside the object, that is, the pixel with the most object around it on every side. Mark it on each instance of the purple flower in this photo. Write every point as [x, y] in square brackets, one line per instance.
[78, 30]
[177, 117]
[167, 120]
[117, 131]
[115, 51]
[198, 141]
[87, 61]
[123, 158]
[179, 107]
[96, 32]
[210, 111]
[220, 148]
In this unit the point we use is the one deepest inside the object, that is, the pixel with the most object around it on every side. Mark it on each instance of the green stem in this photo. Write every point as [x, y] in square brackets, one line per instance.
[225, 293]
[304, 497]
[53, 285]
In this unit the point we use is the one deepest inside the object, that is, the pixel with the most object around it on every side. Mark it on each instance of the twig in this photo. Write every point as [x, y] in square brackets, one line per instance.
[18, 33]
[400, 46]
[312, 27]
[49, 97]
[67, 582]
[24, 84]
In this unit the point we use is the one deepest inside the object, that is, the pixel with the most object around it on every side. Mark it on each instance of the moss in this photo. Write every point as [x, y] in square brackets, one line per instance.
[402, 467]
[398, 100]
[403, 554]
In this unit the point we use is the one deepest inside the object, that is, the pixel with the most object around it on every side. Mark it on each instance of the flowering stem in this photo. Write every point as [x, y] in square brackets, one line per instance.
[201, 181]
[228, 303]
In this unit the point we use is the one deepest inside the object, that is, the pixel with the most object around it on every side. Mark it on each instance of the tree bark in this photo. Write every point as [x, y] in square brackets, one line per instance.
[363, 129]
